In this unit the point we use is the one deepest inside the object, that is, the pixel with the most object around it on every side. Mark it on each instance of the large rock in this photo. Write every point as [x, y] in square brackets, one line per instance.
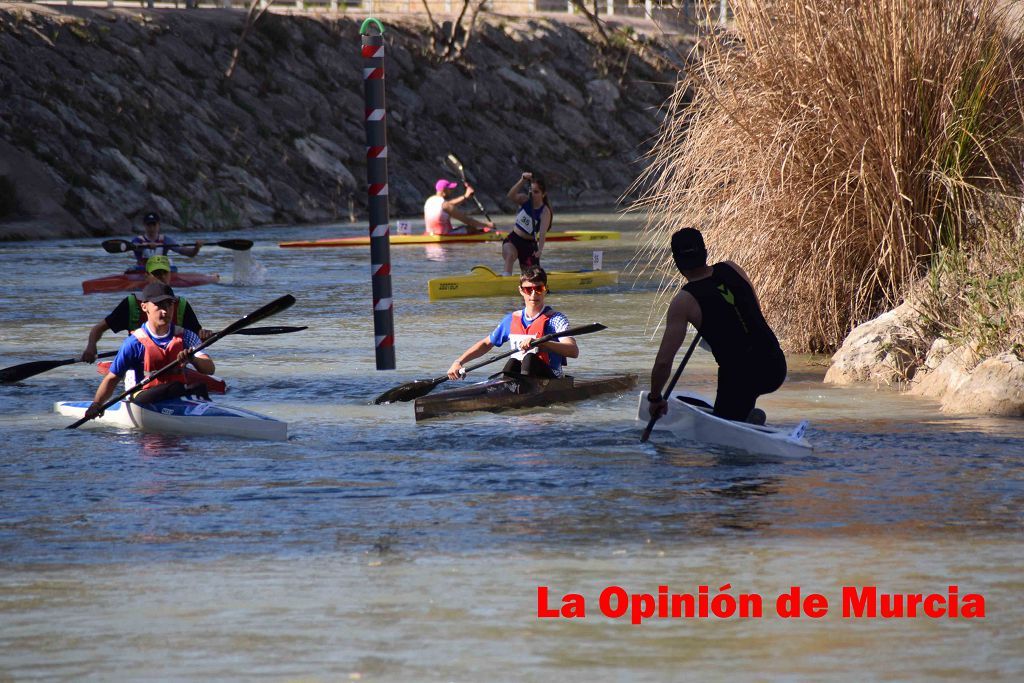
[886, 350]
[963, 386]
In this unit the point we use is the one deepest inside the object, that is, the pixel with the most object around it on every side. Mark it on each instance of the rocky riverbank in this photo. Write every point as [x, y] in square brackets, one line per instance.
[106, 114]
[895, 350]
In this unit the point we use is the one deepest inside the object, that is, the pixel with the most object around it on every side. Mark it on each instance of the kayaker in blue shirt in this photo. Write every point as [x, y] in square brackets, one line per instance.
[720, 302]
[156, 344]
[534, 320]
[153, 243]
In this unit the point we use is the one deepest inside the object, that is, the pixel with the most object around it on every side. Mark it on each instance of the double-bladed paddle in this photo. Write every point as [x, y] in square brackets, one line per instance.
[273, 308]
[16, 373]
[671, 385]
[422, 387]
[457, 165]
[120, 246]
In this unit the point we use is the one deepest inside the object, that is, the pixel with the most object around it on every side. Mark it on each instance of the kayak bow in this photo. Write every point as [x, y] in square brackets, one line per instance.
[508, 392]
[183, 416]
[397, 240]
[482, 281]
[132, 280]
[696, 423]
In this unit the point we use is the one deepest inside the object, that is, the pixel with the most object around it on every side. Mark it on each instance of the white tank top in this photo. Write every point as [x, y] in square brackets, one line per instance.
[437, 220]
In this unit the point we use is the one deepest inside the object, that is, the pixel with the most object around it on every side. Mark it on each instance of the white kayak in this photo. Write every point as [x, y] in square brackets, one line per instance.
[696, 423]
[182, 416]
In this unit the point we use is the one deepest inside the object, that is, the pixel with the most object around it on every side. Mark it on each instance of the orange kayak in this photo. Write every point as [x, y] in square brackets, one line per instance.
[126, 282]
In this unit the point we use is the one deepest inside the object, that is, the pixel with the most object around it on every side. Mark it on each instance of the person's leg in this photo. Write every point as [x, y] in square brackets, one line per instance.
[162, 392]
[736, 396]
[535, 367]
[512, 367]
[509, 254]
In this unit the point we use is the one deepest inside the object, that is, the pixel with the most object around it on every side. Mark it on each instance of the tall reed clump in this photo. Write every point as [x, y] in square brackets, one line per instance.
[833, 147]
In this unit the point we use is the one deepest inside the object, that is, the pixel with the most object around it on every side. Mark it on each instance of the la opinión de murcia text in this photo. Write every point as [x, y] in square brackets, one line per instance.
[857, 602]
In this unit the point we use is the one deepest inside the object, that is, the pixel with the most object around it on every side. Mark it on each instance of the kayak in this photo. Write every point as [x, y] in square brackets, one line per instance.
[214, 384]
[508, 392]
[182, 416]
[689, 417]
[125, 282]
[482, 281]
[423, 238]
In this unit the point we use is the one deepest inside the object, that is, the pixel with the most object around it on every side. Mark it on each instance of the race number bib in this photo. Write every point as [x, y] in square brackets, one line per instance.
[515, 339]
[524, 222]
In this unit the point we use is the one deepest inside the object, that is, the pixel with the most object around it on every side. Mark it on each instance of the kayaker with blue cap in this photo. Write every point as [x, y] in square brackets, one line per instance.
[520, 327]
[128, 314]
[154, 243]
[156, 344]
[441, 208]
[720, 302]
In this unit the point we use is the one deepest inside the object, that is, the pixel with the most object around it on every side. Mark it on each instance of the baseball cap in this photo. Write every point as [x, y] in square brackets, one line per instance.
[151, 217]
[688, 249]
[155, 292]
[443, 184]
[158, 262]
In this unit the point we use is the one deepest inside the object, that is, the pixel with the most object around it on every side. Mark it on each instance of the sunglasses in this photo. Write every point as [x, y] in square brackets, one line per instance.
[529, 289]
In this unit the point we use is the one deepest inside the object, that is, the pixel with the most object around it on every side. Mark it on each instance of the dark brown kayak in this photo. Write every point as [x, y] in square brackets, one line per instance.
[510, 392]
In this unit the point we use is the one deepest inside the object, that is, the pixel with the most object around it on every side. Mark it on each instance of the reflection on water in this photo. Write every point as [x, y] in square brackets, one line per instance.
[370, 545]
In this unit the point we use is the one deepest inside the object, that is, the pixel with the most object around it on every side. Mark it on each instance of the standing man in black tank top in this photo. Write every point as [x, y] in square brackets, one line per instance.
[720, 302]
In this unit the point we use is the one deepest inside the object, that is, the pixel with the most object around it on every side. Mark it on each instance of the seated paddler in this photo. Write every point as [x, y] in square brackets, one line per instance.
[534, 320]
[154, 345]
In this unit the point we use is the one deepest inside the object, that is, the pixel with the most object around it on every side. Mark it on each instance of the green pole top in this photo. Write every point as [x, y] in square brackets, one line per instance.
[371, 20]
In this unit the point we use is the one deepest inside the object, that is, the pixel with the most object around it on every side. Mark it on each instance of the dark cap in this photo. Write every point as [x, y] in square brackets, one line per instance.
[688, 249]
[155, 292]
[151, 218]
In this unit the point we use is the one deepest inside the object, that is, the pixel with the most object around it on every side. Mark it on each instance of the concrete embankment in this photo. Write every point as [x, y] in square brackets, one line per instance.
[106, 114]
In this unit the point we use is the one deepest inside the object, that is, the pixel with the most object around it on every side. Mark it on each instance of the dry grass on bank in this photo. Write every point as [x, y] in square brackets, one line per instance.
[834, 147]
[976, 297]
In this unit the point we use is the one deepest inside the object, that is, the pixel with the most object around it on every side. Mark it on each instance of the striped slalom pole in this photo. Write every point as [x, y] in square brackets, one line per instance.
[377, 192]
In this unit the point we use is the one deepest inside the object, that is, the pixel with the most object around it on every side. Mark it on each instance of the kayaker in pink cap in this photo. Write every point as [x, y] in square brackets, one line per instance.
[440, 209]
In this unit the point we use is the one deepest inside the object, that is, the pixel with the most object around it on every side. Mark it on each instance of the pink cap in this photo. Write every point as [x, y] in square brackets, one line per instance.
[443, 184]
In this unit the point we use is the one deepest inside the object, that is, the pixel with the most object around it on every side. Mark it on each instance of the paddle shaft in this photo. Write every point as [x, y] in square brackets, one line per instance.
[458, 166]
[671, 385]
[270, 309]
[117, 246]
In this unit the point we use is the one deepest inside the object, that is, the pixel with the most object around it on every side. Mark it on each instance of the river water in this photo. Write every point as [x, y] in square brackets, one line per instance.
[368, 547]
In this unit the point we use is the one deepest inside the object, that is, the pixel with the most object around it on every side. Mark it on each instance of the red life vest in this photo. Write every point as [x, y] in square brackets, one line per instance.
[535, 330]
[157, 357]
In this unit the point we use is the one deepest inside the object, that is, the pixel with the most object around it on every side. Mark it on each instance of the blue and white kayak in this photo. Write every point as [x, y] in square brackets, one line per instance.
[182, 416]
[696, 423]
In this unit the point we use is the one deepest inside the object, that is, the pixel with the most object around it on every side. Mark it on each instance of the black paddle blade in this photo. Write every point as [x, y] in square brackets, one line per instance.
[273, 308]
[116, 246]
[16, 373]
[409, 391]
[236, 244]
[272, 329]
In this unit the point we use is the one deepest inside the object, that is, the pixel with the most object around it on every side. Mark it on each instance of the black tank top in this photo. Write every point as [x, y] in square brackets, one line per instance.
[732, 322]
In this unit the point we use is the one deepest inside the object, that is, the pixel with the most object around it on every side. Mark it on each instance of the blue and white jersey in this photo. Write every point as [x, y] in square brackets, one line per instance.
[132, 353]
[556, 322]
[142, 254]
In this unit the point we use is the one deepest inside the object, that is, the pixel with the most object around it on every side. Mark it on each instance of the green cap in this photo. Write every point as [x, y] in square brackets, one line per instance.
[158, 263]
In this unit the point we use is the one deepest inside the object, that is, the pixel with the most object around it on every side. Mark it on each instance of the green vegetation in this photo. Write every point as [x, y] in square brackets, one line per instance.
[837, 149]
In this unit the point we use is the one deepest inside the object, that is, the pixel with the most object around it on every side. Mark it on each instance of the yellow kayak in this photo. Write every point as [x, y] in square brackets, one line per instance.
[422, 238]
[482, 281]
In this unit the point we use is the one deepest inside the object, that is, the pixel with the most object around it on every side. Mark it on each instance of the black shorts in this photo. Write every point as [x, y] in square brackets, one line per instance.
[740, 384]
[525, 249]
